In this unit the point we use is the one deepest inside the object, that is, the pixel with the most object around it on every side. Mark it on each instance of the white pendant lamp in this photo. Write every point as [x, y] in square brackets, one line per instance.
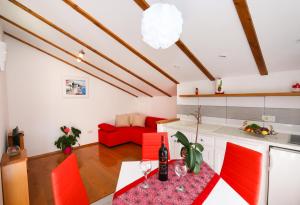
[161, 25]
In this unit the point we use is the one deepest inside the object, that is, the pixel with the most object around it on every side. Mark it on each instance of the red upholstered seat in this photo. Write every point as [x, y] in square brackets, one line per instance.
[67, 185]
[151, 144]
[112, 136]
[242, 171]
[107, 127]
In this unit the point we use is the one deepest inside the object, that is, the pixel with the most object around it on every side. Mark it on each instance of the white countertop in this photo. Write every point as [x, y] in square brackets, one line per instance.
[280, 139]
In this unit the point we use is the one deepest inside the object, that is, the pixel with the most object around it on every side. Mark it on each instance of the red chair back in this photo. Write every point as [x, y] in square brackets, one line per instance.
[151, 144]
[67, 186]
[242, 171]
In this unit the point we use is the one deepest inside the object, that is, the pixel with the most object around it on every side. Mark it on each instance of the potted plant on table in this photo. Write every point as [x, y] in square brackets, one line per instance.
[191, 151]
[68, 139]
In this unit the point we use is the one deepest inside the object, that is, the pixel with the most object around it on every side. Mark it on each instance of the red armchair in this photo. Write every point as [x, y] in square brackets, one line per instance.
[110, 135]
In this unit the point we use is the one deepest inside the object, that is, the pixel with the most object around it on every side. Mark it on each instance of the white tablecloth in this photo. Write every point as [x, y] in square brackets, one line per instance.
[222, 193]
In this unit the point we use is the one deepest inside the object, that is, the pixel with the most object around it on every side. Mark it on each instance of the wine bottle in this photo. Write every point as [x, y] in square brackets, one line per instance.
[163, 161]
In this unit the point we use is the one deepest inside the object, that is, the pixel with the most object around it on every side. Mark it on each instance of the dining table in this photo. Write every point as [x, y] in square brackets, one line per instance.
[206, 188]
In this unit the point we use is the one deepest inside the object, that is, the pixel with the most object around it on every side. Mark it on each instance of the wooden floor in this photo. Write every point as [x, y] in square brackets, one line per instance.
[99, 168]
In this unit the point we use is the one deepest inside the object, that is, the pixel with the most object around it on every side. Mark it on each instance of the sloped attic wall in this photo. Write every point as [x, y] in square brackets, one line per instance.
[37, 106]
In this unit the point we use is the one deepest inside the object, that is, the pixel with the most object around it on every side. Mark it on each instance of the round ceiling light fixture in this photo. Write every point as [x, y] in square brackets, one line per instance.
[161, 25]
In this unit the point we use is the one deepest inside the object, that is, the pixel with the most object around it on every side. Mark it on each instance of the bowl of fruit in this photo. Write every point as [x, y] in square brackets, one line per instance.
[256, 130]
[296, 87]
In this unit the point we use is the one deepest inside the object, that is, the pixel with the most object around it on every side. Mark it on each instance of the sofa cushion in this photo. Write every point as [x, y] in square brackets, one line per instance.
[107, 127]
[138, 120]
[123, 120]
[151, 122]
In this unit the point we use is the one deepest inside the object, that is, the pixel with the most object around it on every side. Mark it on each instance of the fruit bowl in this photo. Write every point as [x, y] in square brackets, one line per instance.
[255, 134]
[257, 131]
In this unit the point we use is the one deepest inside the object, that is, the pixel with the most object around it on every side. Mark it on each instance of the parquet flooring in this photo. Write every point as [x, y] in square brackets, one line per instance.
[99, 168]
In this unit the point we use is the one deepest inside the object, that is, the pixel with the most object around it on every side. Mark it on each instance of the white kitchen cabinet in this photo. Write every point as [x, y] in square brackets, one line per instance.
[171, 140]
[219, 158]
[208, 155]
[208, 152]
[178, 146]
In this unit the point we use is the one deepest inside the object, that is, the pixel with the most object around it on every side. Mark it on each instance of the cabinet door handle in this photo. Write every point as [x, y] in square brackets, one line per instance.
[201, 140]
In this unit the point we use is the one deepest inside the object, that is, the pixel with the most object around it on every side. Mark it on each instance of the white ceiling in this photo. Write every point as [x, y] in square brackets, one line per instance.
[211, 28]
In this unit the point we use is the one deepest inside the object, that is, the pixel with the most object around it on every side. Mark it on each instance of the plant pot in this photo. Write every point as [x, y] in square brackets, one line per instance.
[67, 150]
[183, 154]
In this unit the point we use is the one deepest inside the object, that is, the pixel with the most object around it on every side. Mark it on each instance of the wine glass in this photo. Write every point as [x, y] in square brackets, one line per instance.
[146, 167]
[180, 170]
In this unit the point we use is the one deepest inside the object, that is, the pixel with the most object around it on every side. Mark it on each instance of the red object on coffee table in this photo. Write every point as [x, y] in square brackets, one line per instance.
[197, 188]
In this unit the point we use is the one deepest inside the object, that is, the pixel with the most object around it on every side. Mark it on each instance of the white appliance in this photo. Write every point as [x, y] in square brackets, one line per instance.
[284, 177]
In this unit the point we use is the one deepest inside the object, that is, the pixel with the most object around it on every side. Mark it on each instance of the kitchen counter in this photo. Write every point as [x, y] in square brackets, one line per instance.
[279, 140]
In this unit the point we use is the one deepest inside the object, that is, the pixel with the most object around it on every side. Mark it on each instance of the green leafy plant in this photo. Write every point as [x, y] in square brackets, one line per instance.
[192, 152]
[69, 138]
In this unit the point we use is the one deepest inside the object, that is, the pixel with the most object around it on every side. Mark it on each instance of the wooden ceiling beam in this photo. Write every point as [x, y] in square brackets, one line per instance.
[71, 54]
[117, 38]
[194, 59]
[66, 62]
[249, 29]
[144, 5]
[49, 23]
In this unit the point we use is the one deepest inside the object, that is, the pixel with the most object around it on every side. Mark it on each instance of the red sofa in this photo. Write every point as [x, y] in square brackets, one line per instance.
[110, 135]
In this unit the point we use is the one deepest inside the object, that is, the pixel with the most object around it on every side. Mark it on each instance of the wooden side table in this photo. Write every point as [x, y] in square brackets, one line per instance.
[15, 179]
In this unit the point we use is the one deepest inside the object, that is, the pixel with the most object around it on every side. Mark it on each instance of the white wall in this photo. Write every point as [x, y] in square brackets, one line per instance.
[159, 106]
[3, 120]
[36, 104]
[3, 117]
[274, 82]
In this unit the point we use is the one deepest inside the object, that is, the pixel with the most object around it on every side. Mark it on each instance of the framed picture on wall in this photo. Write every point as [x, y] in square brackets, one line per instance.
[75, 87]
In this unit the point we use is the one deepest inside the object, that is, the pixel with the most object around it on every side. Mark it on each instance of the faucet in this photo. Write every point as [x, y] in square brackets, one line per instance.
[197, 114]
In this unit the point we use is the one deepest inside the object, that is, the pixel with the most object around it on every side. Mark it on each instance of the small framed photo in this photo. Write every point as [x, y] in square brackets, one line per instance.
[75, 87]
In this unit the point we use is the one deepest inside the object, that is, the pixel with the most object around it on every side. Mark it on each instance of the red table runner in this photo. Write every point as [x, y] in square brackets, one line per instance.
[197, 188]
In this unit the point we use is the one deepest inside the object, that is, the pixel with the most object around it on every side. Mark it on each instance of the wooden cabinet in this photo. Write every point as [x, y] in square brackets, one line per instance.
[14, 179]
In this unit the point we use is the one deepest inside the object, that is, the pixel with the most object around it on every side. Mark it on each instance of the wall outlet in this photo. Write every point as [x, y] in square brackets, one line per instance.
[90, 131]
[268, 118]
